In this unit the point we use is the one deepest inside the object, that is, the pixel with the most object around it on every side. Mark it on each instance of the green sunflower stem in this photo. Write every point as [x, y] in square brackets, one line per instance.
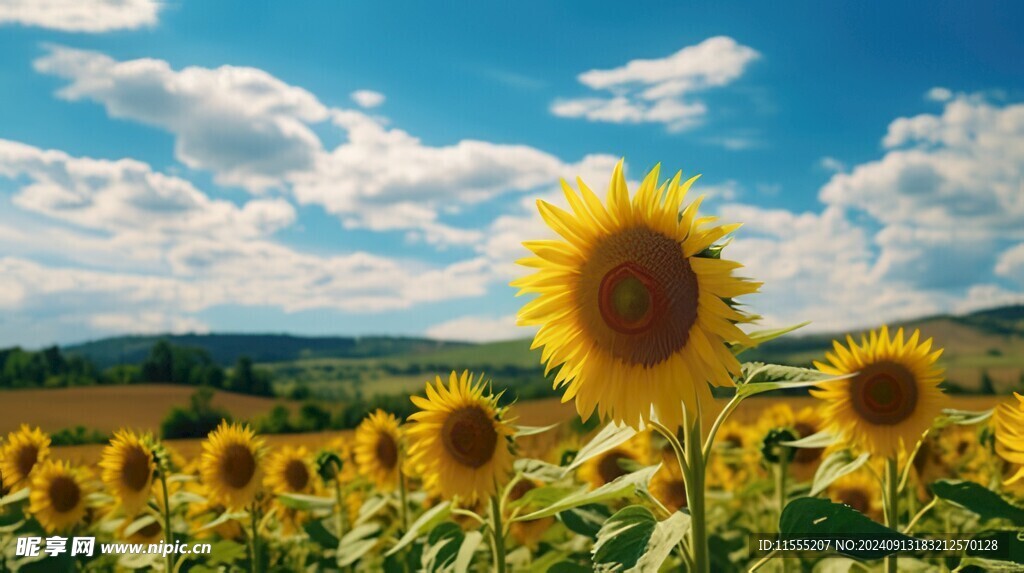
[168, 534]
[403, 499]
[339, 501]
[254, 563]
[499, 535]
[695, 499]
[892, 478]
[781, 470]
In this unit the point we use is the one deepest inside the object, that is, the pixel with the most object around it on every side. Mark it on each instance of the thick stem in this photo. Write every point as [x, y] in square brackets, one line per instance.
[254, 563]
[781, 469]
[892, 477]
[695, 500]
[168, 534]
[499, 535]
[339, 500]
[404, 501]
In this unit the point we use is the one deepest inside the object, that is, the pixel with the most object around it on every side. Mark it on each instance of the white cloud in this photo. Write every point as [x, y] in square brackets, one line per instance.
[80, 15]
[478, 329]
[248, 127]
[367, 98]
[1011, 264]
[147, 323]
[660, 90]
[832, 164]
[939, 94]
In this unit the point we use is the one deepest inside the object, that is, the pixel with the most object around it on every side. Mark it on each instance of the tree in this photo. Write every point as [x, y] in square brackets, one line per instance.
[159, 365]
[987, 387]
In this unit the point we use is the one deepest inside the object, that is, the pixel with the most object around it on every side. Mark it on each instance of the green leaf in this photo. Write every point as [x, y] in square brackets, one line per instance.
[633, 540]
[758, 372]
[15, 497]
[543, 496]
[370, 508]
[522, 431]
[305, 502]
[138, 524]
[464, 558]
[225, 517]
[814, 441]
[812, 516]
[761, 336]
[569, 567]
[834, 467]
[426, 522]
[746, 390]
[442, 546]
[978, 499]
[318, 533]
[623, 486]
[585, 519]
[609, 437]
[963, 417]
[1010, 541]
[225, 552]
[538, 470]
[357, 543]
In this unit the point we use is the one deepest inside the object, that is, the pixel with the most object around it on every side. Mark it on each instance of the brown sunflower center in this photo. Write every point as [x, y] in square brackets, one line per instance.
[884, 393]
[521, 488]
[856, 499]
[238, 466]
[806, 455]
[151, 530]
[387, 451]
[136, 468]
[469, 436]
[26, 458]
[609, 469]
[296, 475]
[639, 296]
[64, 494]
[676, 491]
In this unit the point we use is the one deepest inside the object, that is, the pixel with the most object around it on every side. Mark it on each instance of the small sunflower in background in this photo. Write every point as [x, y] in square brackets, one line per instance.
[20, 454]
[460, 440]
[378, 450]
[610, 465]
[127, 470]
[290, 470]
[894, 396]
[668, 486]
[807, 422]
[57, 495]
[1008, 421]
[635, 302]
[528, 533]
[231, 465]
[858, 490]
[151, 532]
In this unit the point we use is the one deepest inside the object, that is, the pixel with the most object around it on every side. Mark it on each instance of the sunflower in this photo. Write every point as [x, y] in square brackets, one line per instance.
[290, 470]
[231, 465]
[460, 440]
[859, 491]
[151, 532]
[610, 465]
[894, 395]
[634, 302]
[528, 533]
[378, 449]
[128, 466]
[22, 451]
[668, 486]
[805, 462]
[1009, 429]
[57, 495]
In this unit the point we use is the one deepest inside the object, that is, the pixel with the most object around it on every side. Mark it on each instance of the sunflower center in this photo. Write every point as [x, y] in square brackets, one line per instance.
[469, 436]
[151, 530]
[26, 459]
[387, 451]
[676, 490]
[884, 393]
[64, 494]
[521, 488]
[296, 475]
[806, 455]
[136, 469]
[856, 499]
[638, 295]
[238, 466]
[609, 469]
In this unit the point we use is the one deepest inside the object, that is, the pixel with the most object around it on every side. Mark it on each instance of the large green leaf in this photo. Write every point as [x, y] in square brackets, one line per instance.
[978, 499]
[538, 470]
[820, 440]
[470, 542]
[585, 519]
[522, 431]
[426, 522]
[633, 540]
[767, 377]
[1010, 546]
[609, 437]
[357, 543]
[305, 502]
[623, 486]
[834, 467]
[318, 533]
[442, 546]
[761, 336]
[811, 516]
[963, 417]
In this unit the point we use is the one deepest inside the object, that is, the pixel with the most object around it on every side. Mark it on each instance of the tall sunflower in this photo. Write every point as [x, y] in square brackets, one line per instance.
[377, 449]
[634, 301]
[57, 495]
[231, 465]
[22, 451]
[894, 396]
[460, 440]
[128, 466]
[290, 470]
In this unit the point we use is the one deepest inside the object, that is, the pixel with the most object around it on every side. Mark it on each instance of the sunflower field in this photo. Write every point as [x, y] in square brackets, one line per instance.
[639, 320]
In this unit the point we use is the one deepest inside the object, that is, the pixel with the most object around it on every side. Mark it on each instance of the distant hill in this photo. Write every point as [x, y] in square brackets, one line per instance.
[226, 348]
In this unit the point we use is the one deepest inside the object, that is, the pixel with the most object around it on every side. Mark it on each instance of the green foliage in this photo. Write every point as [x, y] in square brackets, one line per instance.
[77, 436]
[633, 540]
[45, 368]
[195, 421]
[978, 499]
[809, 516]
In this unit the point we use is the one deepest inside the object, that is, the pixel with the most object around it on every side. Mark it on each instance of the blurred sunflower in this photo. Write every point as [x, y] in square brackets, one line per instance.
[859, 491]
[805, 462]
[230, 465]
[460, 440]
[634, 302]
[57, 495]
[616, 462]
[894, 396]
[378, 451]
[151, 532]
[22, 451]
[289, 470]
[1009, 429]
[668, 486]
[528, 533]
[127, 470]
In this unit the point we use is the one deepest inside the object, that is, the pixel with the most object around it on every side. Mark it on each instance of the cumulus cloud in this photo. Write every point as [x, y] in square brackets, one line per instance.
[80, 15]
[478, 329]
[248, 127]
[367, 98]
[660, 90]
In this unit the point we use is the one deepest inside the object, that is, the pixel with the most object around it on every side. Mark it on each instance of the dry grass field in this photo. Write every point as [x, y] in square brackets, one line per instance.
[143, 407]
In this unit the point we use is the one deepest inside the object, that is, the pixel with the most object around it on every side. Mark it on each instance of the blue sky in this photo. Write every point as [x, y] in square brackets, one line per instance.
[355, 168]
